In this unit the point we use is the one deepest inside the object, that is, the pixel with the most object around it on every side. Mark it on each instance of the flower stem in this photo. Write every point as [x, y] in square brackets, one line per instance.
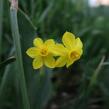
[42, 71]
[19, 62]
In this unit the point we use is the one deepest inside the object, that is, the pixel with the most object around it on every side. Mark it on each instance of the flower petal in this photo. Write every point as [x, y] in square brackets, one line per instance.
[61, 61]
[80, 52]
[32, 52]
[59, 50]
[78, 43]
[68, 40]
[49, 61]
[49, 42]
[38, 42]
[37, 63]
[70, 62]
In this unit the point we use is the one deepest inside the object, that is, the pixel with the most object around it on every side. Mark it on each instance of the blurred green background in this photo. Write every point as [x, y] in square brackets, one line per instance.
[85, 85]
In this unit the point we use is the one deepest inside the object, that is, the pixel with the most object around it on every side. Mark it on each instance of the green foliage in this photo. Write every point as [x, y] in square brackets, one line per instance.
[84, 85]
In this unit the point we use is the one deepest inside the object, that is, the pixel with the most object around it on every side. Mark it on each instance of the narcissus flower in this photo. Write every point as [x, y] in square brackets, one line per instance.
[70, 51]
[42, 53]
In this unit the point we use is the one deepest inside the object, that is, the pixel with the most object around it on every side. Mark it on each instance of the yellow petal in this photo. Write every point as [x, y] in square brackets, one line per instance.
[59, 50]
[69, 62]
[49, 42]
[37, 63]
[49, 61]
[79, 51]
[38, 42]
[61, 61]
[68, 40]
[78, 43]
[32, 52]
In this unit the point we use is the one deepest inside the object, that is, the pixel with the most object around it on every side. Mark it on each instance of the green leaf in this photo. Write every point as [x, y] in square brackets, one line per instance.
[28, 33]
[7, 61]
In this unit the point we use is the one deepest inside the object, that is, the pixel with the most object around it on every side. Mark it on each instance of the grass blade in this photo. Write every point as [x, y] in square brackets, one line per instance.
[7, 61]
[16, 37]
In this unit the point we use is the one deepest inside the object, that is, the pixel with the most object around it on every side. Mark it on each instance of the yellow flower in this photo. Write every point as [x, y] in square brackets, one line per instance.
[70, 51]
[42, 53]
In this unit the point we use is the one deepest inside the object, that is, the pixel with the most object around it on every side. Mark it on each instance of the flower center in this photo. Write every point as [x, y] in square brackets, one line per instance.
[44, 52]
[73, 55]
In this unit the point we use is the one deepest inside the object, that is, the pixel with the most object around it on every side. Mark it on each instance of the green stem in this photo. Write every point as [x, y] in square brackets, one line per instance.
[1, 26]
[16, 37]
[42, 71]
